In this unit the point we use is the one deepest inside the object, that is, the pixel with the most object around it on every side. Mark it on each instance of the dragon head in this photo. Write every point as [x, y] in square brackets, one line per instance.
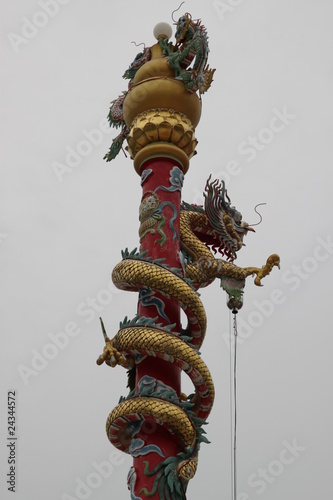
[227, 227]
[140, 59]
[185, 29]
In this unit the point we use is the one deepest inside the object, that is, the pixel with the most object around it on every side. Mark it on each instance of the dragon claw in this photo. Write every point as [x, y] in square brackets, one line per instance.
[273, 260]
[111, 356]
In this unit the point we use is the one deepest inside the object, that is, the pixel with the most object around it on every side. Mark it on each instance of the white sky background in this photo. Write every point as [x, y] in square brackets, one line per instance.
[61, 240]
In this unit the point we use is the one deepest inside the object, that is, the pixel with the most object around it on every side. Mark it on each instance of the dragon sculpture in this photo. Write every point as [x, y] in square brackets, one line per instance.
[115, 115]
[189, 60]
[189, 57]
[215, 227]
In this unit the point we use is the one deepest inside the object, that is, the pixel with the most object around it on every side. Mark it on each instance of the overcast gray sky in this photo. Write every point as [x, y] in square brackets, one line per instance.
[266, 128]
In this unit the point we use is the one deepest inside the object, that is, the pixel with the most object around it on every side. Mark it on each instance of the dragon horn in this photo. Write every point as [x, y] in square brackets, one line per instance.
[103, 329]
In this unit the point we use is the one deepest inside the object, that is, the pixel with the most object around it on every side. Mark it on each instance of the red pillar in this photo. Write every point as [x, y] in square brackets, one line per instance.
[167, 247]
[160, 115]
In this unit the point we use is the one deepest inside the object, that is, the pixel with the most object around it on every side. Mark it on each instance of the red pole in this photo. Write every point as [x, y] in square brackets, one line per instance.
[168, 312]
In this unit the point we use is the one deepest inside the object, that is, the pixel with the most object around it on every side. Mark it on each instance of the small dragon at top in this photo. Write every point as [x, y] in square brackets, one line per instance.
[188, 57]
[115, 116]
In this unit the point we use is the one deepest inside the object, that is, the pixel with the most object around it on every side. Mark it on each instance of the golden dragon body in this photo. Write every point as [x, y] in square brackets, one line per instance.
[218, 226]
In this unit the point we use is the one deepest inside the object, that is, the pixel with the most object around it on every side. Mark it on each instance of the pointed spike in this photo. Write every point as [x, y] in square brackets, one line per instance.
[159, 261]
[168, 328]
[134, 320]
[186, 338]
[103, 329]
[143, 320]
